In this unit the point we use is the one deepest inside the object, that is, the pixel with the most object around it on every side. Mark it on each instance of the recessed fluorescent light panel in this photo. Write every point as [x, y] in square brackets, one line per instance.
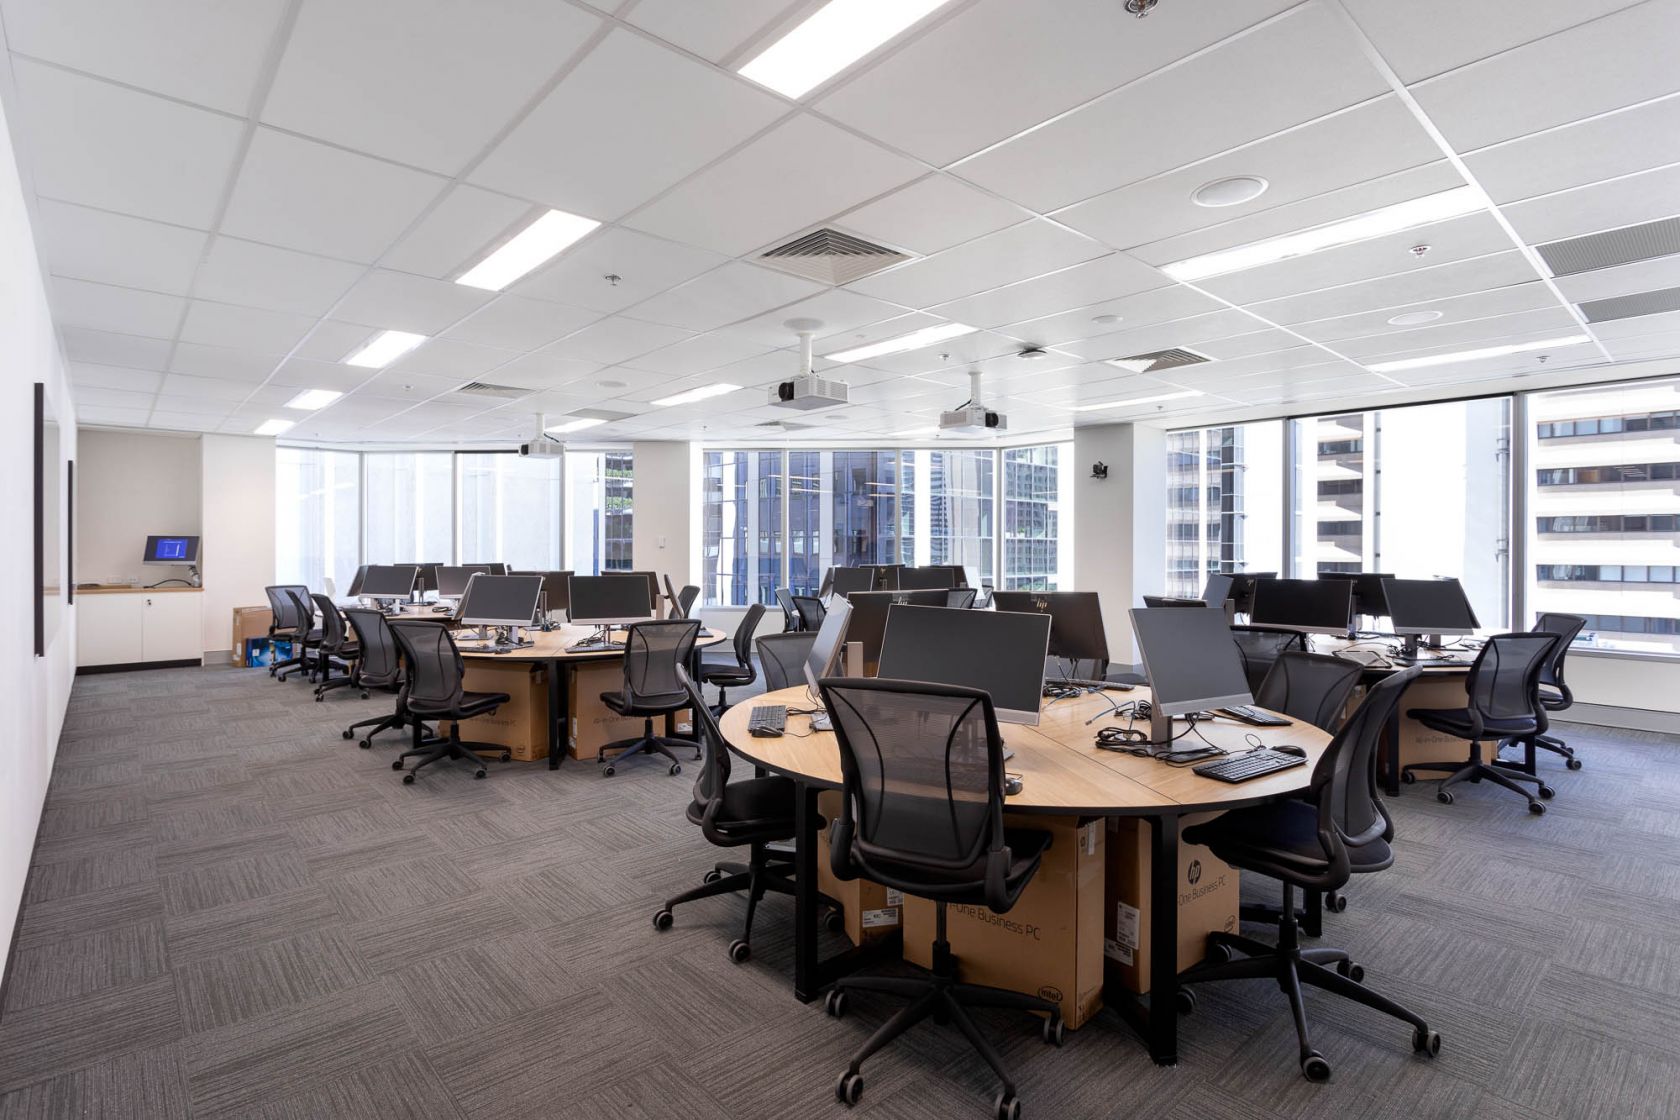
[272, 427]
[1139, 400]
[384, 348]
[1473, 355]
[311, 399]
[577, 425]
[530, 247]
[835, 36]
[1390, 219]
[705, 392]
[915, 340]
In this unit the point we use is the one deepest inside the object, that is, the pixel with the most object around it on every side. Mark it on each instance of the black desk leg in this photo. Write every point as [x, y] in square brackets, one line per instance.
[807, 974]
[1163, 940]
[558, 715]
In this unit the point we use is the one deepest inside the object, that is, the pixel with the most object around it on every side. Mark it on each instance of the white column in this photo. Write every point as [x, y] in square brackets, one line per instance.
[664, 532]
[1120, 539]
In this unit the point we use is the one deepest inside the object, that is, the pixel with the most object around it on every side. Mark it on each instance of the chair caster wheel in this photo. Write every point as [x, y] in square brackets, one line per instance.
[364, 696]
[1334, 903]
[1407, 777]
[366, 744]
[347, 735]
[1573, 763]
[739, 951]
[1444, 797]
[676, 768]
[396, 764]
[1354, 972]
[850, 1089]
[408, 779]
[711, 876]
[1055, 1030]
[608, 772]
[1547, 793]
[479, 773]
[319, 698]
[1315, 1068]
[1219, 954]
[1185, 1000]
[1536, 808]
[834, 921]
[696, 754]
[1007, 1107]
[1426, 1042]
[835, 1003]
[662, 921]
[507, 756]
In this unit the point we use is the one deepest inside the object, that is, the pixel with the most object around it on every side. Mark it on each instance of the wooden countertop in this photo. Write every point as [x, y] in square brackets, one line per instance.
[124, 589]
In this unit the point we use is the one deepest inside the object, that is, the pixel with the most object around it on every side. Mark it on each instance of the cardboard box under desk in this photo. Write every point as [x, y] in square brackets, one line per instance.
[1208, 892]
[871, 910]
[521, 725]
[248, 623]
[1420, 744]
[594, 725]
[1050, 943]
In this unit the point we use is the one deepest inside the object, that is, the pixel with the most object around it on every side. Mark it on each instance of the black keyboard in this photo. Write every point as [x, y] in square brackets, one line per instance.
[1254, 764]
[1253, 716]
[767, 721]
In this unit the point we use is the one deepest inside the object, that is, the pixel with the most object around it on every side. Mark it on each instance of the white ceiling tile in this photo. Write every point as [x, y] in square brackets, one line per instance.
[425, 82]
[515, 323]
[225, 393]
[255, 275]
[243, 328]
[1623, 280]
[541, 368]
[298, 194]
[92, 397]
[84, 374]
[1574, 155]
[101, 145]
[1592, 68]
[711, 31]
[1644, 197]
[114, 249]
[399, 385]
[725, 295]
[300, 373]
[399, 301]
[332, 341]
[107, 349]
[1255, 343]
[954, 90]
[1402, 289]
[615, 339]
[1029, 249]
[1159, 306]
[447, 357]
[186, 415]
[1307, 64]
[1456, 309]
[116, 417]
[1162, 336]
[698, 354]
[457, 232]
[1645, 346]
[801, 172]
[1545, 321]
[1095, 281]
[1517, 364]
[105, 307]
[1423, 38]
[633, 118]
[222, 362]
[932, 214]
[837, 309]
[643, 265]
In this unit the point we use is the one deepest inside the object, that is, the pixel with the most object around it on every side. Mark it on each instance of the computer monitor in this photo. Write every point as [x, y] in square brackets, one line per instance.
[171, 550]
[623, 597]
[825, 652]
[926, 579]
[1000, 651]
[1315, 606]
[428, 577]
[1217, 589]
[1191, 662]
[869, 618]
[1428, 606]
[500, 600]
[356, 581]
[886, 576]
[1076, 623]
[1242, 589]
[1154, 601]
[1368, 597]
[389, 581]
[556, 589]
[652, 582]
[848, 580]
[497, 569]
[452, 578]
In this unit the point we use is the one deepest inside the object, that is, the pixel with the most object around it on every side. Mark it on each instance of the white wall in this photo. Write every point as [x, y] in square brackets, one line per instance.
[665, 532]
[37, 688]
[129, 485]
[1120, 539]
[238, 528]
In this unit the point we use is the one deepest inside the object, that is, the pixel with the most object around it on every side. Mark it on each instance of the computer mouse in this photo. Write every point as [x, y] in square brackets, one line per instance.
[1011, 784]
[1290, 748]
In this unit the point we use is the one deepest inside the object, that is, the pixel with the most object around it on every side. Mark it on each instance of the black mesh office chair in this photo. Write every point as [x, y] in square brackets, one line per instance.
[670, 598]
[900, 743]
[983, 600]
[338, 649]
[435, 692]
[685, 601]
[782, 659]
[1339, 829]
[378, 667]
[1502, 704]
[1313, 687]
[1554, 693]
[811, 612]
[790, 613]
[308, 643]
[750, 813]
[740, 673]
[1259, 646]
[288, 626]
[961, 598]
[654, 652]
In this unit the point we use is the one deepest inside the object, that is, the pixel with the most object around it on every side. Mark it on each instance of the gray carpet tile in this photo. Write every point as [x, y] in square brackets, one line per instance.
[235, 912]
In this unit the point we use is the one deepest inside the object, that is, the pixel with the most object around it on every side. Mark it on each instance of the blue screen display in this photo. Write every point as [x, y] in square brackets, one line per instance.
[172, 548]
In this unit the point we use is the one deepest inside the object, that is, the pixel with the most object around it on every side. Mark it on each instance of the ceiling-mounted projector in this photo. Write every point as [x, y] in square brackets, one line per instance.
[972, 418]
[808, 391]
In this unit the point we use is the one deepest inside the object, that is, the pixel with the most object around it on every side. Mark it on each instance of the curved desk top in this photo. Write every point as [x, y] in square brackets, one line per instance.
[553, 645]
[1062, 770]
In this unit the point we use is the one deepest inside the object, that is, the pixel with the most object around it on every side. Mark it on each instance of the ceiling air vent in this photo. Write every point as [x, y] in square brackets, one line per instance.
[1612, 247]
[781, 426]
[1631, 307]
[1157, 360]
[831, 257]
[481, 389]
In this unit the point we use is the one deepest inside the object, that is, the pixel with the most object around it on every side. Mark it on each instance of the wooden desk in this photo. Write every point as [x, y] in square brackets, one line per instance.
[1063, 773]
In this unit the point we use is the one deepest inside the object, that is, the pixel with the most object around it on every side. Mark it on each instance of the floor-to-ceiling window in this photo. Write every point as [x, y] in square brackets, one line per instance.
[1224, 503]
[1037, 500]
[410, 507]
[600, 508]
[961, 497]
[741, 527]
[509, 510]
[318, 509]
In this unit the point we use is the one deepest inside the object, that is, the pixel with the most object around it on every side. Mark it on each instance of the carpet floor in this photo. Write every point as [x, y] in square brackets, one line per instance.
[234, 912]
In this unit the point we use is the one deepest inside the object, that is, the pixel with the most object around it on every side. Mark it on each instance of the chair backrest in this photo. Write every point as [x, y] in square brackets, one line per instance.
[790, 615]
[782, 657]
[1309, 686]
[378, 665]
[304, 605]
[1504, 683]
[960, 597]
[1344, 783]
[1259, 646]
[744, 631]
[332, 623]
[435, 669]
[923, 785]
[1567, 627]
[285, 608]
[685, 601]
[811, 612]
[653, 654]
[714, 774]
[671, 597]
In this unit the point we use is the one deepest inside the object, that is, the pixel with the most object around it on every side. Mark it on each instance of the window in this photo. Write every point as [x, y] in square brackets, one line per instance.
[318, 511]
[741, 527]
[509, 510]
[1607, 552]
[1037, 502]
[1224, 500]
[410, 508]
[961, 495]
[600, 511]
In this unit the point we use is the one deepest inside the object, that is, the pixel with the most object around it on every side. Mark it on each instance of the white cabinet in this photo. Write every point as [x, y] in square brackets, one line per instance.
[138, 627]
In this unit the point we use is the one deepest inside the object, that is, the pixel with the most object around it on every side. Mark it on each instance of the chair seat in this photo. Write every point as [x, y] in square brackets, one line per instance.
[649, 706]
[1281, 837]
[1458, 722]
[753, 810]
[965, 885]
[472, 704]
[730, 675]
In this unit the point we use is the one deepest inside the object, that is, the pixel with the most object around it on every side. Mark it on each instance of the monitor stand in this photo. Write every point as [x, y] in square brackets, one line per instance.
[1411, 643]
[1160, 727]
